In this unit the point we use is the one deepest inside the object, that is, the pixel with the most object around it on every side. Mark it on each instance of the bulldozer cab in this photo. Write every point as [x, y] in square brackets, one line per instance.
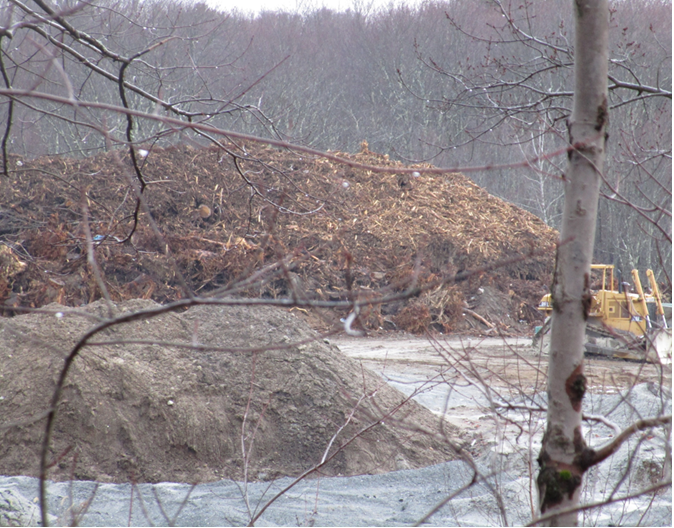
[614, 306]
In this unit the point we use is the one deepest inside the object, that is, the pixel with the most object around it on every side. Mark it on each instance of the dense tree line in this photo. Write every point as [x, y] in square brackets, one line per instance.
[452, 83]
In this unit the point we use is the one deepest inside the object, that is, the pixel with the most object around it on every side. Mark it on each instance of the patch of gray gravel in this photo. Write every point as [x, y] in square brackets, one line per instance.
[393, 499]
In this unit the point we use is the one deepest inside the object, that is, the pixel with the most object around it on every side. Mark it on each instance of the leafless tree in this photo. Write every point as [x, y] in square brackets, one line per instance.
[564, 455]
[518, 90]
[73, 85]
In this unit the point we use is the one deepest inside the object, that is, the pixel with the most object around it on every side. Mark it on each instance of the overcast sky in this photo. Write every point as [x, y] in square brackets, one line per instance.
[255, 6]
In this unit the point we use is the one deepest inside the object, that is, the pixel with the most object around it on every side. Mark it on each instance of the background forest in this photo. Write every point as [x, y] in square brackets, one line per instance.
[456, 84]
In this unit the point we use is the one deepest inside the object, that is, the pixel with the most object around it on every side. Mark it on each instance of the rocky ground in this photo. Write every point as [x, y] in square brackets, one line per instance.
[503, 443]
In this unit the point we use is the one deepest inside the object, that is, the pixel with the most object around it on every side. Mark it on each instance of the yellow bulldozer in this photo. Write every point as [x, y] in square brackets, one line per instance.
[621, 323]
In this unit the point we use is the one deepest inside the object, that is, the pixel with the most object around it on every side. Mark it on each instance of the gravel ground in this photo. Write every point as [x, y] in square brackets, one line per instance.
[393, 499]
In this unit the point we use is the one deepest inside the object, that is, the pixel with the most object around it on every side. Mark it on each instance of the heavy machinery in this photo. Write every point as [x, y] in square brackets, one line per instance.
[621, 323]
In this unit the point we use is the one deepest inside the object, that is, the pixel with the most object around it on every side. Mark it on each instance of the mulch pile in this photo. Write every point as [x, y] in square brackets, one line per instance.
[344, 232]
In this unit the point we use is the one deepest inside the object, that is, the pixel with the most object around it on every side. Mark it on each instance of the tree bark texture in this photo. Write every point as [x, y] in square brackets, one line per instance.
[564, 456]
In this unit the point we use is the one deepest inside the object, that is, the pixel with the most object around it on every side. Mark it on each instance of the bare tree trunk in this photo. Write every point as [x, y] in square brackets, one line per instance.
[564, 457]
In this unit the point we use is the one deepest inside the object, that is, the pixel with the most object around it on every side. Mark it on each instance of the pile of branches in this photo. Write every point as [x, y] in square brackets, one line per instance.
[219, 219]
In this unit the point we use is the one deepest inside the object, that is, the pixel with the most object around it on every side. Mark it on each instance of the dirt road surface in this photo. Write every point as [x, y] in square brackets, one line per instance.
[471, 380]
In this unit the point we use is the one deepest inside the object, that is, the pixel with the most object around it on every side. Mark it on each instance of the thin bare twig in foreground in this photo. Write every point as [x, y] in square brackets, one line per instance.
[15, 94]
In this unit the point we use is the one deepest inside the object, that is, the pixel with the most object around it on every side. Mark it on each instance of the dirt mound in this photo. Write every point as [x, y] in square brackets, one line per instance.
[135, 410]
[347, 232]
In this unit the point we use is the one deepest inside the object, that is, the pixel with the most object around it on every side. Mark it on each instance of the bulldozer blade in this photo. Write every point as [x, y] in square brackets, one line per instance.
[659, 348]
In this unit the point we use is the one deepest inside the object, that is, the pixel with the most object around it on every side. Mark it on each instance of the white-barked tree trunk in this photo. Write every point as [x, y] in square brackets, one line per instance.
[564, 456]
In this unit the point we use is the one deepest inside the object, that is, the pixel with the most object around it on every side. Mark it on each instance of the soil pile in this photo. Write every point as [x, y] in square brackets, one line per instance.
[146, 406]
[226, 214]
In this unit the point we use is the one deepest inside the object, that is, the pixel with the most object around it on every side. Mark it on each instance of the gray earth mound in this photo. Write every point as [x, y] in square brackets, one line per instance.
[143, 405]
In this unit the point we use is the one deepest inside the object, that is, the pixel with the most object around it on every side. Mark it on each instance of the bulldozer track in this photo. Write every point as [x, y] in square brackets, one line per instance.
[628, 347]
[628, 339]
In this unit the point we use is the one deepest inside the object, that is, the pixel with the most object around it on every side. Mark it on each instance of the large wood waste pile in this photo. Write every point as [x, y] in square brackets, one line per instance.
[344, 231]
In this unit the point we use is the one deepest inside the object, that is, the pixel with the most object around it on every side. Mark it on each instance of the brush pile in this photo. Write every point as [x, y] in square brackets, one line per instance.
[330, 231]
